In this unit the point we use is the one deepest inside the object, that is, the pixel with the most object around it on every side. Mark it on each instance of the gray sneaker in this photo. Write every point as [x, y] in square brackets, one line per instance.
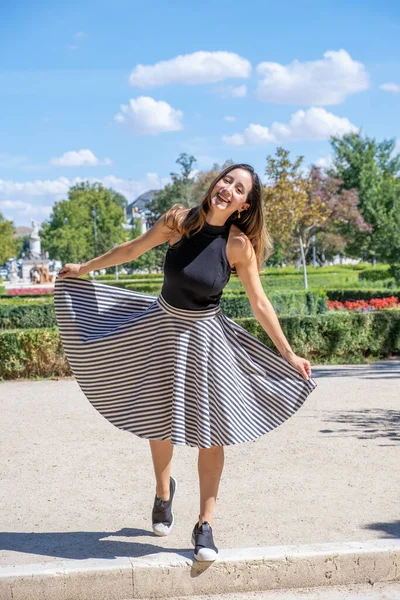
[162, 515]
[203, 542]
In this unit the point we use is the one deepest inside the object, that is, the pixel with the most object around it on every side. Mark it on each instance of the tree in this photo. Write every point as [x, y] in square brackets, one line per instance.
[8, 243]
[372, 168]
[286, 202]
[86, 225]
[331, 215]
[177, 191]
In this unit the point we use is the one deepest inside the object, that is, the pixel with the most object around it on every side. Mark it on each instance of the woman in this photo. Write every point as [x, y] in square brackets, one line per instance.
[173, 368]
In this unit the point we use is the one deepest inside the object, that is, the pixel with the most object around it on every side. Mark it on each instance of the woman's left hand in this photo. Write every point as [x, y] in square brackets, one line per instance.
[301, 364]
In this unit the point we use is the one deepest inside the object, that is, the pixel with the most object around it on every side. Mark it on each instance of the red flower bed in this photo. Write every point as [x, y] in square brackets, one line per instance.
[363, 305]
[20, 291]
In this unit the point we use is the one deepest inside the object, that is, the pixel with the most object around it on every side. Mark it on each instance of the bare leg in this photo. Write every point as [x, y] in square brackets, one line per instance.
[162, 451]
[210, 466]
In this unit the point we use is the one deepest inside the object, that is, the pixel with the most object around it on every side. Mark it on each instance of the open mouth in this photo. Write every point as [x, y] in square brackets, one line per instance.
[222, 199]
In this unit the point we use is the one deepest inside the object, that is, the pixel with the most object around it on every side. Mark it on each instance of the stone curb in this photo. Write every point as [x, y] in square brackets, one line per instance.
[165, 574]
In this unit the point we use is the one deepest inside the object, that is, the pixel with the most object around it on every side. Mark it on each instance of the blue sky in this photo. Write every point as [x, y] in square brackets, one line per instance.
[115, 91]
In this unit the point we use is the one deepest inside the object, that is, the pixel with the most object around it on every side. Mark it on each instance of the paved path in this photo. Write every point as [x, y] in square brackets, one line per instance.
[74, 487]
[379, 591]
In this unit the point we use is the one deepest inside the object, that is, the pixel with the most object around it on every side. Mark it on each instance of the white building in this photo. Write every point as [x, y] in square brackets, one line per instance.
[138, 210]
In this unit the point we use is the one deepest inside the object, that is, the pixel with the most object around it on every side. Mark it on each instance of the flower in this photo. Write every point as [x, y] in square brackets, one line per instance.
[364, 305]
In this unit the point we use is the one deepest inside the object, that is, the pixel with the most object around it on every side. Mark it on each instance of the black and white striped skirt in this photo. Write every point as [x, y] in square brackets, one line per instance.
[194, 377]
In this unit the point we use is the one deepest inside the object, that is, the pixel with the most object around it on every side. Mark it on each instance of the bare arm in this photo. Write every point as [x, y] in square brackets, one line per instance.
[264, 312]
[246, 268]
[130, 250]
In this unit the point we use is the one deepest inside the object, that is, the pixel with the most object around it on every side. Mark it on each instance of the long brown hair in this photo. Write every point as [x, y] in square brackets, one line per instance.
[251, 220]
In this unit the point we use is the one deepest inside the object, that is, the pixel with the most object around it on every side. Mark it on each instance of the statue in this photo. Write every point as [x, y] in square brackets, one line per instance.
[45, 276]
[36, 267]
[34, 274]
[14, 273]
[34, 241]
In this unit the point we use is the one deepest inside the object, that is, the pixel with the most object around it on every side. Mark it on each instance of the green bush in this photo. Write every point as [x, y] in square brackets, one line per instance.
[32, 353]
[330, 338]
[27, 316]
[394, 271]
[378, 273]
[132, 276]
[338, 337]
[357, 294]
[19, 313]
[284, 303]
[315, 270]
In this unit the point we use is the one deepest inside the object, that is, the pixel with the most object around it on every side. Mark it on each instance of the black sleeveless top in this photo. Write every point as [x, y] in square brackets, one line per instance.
[196, 269]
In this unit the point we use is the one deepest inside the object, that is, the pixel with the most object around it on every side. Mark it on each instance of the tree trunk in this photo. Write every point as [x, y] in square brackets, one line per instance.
[303, 260]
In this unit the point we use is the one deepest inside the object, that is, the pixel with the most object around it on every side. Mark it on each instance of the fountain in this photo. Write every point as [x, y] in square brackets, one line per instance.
[34, 268]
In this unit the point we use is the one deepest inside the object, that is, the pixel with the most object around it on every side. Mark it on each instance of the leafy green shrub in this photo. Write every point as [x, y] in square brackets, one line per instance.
[27, 316]
[284, 303]
[32, 353]
[394, 271]
[330, 338]
[378, 273]
[357, 294]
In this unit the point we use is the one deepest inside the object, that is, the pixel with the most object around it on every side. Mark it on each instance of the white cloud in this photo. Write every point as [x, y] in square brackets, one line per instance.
[390, 87]
[131, 188]
[312, 124]
[252, 135]
[320, 82]
[230, 91]
[53, 187]
[25, 208]
[144, 115]
[326, 162]
[230, 119]
[80, 158]
[36, 198]
[191, 69]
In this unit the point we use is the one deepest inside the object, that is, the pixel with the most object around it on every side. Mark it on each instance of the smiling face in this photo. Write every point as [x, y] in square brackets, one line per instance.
[230, 193]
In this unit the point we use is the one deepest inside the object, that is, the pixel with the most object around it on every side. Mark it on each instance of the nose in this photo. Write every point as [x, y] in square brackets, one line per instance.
[227, 188]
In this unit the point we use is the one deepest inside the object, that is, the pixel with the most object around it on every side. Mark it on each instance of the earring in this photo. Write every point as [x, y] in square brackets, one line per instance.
[238, 214]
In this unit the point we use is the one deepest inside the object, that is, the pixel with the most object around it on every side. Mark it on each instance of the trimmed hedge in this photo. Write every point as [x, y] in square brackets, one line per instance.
[27, 316]
[394, 271]
[375, 273]
[339, 337]
[18, 313]
[331, 338]
[39, 314]
[361, 294]
[284, 303]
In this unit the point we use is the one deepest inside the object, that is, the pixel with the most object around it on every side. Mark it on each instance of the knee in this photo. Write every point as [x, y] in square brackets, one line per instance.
[212, 451]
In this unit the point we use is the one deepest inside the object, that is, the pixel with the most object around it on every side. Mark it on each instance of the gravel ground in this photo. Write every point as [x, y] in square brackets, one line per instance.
[73, 486]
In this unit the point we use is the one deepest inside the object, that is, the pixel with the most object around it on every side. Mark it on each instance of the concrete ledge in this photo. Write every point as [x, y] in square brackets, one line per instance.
[163, 575]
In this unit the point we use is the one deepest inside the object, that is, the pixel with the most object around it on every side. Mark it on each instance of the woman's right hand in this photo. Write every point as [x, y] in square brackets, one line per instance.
[70, 270]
